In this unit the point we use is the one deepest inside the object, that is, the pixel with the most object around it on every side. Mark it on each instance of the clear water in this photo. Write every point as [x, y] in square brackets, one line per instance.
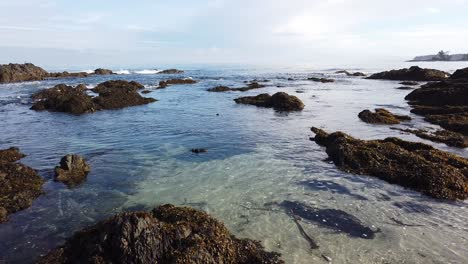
[141, 157]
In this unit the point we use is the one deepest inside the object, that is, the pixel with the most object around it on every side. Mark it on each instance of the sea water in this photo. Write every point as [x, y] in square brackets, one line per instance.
[140, 158]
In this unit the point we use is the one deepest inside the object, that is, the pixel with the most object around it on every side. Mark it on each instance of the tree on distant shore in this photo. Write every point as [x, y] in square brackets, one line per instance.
[465, 58]
[442, 55]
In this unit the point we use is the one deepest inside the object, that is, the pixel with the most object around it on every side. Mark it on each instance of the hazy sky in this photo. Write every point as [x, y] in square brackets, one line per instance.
[146, 32]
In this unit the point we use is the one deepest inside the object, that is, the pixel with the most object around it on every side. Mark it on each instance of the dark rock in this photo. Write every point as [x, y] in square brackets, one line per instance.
[322, 80]
[168, 234]
[355, 74]
[461, 74]
[164, 84]
[112, 95]
[20, 185]
[409, 83]
[290, 79]
[171, 71]
[220, 89]
[199, 150]
[414, 73]
[146, 91]
[405, 88]
[382, 116]
[452, 139]
[66, 74]
[101, 71]
[333, 219]
[72, 171]
[250, 86]
[279, 101]
[413, 165]
[21, 73]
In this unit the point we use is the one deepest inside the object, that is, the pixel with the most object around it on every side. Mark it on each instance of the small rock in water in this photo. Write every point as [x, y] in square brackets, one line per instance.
[72, 171]
[199, 150]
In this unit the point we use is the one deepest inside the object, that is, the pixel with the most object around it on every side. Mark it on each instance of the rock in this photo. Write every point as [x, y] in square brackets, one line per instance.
[450, 138]
[101, 71]
[409, 83]
[412, 165]
[461, 74]
[66, 74]
[405, 88]
[322, 80]
[146, 91]
[414, 73]
[355, 74]
[167, 234]
[112, 95]
[199, 150]
[20, 185]
[250, 86]
[64, 98]
[164, 84]
[21, 73]
[171, 71]
[279, 101]
[382, 116]
[72, 171]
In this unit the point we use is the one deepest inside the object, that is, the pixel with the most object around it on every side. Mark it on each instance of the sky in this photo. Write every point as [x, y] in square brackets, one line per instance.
[112, 33]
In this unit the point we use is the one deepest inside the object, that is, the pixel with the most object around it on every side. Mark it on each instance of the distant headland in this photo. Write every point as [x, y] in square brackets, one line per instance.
[442, 56]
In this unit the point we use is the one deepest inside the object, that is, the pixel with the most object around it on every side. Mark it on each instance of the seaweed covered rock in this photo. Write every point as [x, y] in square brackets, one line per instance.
[443, 103]
[414, 73]
[460, 74]
[166, 83]
[382, 116]
[64, 98]
[171, 71]
[101, 71]
[66, 74]
[452, 139]
[167, 234]
[322, 80]
[75, 100]
[413, 165]
[279, 101]
[20, 185]
[72, 171]
[21, 73]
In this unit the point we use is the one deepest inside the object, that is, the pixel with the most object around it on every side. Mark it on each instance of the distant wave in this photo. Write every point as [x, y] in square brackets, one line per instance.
[147, 72]
[122, 72]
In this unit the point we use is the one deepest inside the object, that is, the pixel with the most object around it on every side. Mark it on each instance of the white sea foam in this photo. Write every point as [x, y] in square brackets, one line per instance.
[147, 72]
[123, 72]
[88, 71]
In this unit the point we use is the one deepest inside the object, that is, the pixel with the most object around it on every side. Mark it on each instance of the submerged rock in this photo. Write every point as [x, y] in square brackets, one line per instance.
[405, 88]
[198, 150]
[382, 116]
[416, 166]
[251, 86]
[279, 101]
[72, 171]
[322, 80]
[167, 234]
[164, 84]
[20, 185]
[450, 138]
[21, 73]
[112, 95]
[355, 74]
[414, 73]
[171, 71]
[409, 83]
[334, 219]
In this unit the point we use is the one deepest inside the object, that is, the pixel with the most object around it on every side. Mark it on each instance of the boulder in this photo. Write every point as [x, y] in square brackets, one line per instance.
[167, 234]
[21, 73]
[171, 71]
[461, 74]
[414, 73]
[20, 185]
[118, 85]
[166, 83]
[417, 166]
[72, 171]
[322, 80]
[382, 116]
[101, 71]
[279, 101]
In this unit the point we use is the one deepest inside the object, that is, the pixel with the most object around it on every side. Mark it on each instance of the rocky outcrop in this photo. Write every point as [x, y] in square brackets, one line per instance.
[460, 74]
[75, 100]
[414, 73]
[21, 73]
[416, 166]
[171, 71]
[251, 86]
[167, 234]
[279, 101]
[164, 84]
[409, 83]
[101, 71]
[20, 185]
[72, 171]
[450, 138]
[354, 74]
[382, 116]
[65, 74]
[322, 80]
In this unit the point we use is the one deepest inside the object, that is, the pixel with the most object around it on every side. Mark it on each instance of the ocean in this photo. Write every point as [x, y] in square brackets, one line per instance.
[140, 158]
